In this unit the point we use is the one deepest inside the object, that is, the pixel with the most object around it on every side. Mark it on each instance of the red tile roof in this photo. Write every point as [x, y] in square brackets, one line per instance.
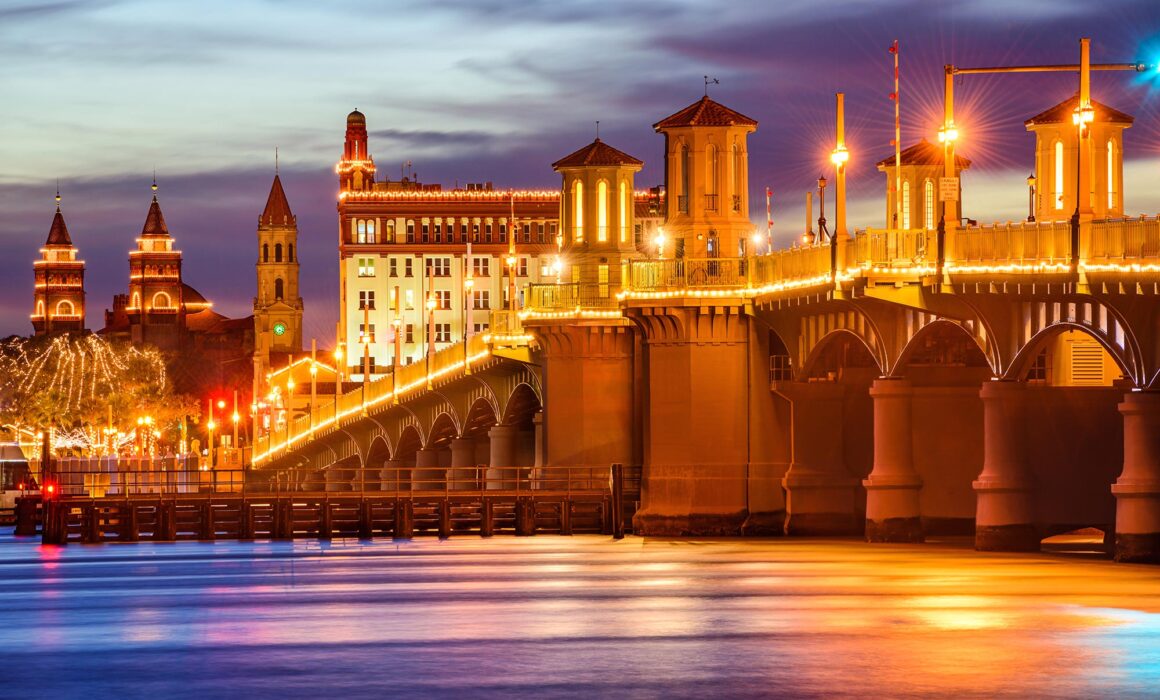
[277, 211]
[705, 112]
[154, 221]
[1061, 113]
[58, 234]
[923, 153]
[596, 153]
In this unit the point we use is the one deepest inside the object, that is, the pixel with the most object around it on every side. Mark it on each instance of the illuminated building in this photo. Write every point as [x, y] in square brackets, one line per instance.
[921, 205]
[59, 296]
[404, 243]
[277, 304]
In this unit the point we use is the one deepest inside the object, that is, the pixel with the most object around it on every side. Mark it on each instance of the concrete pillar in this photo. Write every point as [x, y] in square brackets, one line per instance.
[501, 474]
[892, 510]
[538, 426]
[820, 493]
[463, 473]
[1137, 491]
[1004, 491]
[396, 476]
[429, 476]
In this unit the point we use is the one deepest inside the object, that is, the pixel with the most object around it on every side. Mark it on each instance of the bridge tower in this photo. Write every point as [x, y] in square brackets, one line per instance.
[1056, 154]
[707, 179]
[922, 206]
[277, 305]
[59, 298]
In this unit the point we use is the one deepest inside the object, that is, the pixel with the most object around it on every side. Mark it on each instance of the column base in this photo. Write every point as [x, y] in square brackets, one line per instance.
[1007, 538]
[820, 504]
[1138, 548]
[895, 530]
[693, 525]
[767, 524]
[821, 525]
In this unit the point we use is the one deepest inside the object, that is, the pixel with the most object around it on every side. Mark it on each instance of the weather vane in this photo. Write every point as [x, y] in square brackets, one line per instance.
[709, 81]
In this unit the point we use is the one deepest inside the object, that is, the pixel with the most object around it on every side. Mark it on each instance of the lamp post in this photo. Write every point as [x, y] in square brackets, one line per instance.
[468, 284]
[1031, 198]
[234, 418]
[1081, 117]
[289, 407]
[430, 334]
[659, 242]
[947, 135]
[823, 233]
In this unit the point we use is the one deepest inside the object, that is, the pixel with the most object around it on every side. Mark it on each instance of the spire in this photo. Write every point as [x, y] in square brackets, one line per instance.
[58, 233]
[154, 221]
[277, 211]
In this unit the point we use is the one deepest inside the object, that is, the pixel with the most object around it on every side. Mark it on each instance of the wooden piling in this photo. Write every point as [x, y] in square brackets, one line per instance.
[487, 519]
[445, 519]
[404, 519]
[525, 516]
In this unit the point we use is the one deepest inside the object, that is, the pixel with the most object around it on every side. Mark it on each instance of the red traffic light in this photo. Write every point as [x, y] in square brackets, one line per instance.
[49, 490]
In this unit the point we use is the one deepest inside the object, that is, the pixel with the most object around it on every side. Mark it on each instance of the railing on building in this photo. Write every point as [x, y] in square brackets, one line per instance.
[571, 295]
[1125, 239]
[1047, 242]
[791, 265]
[687, 273]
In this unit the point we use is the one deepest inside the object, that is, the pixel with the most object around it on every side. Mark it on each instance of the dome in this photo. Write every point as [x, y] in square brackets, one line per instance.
[356, 117]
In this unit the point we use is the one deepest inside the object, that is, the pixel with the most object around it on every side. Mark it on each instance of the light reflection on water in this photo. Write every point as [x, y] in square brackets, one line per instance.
[578, 616]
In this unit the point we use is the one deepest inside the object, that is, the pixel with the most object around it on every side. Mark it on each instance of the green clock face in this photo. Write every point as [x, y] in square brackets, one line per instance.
[279, 328]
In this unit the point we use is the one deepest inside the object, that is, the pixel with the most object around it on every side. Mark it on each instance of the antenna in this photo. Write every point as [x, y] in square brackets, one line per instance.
[709, 81]
[597, 129]
[58, 194]
[275, 160]
[154, 187]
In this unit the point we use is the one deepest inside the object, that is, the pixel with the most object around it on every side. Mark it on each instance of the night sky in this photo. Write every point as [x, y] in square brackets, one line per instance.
[99, 93]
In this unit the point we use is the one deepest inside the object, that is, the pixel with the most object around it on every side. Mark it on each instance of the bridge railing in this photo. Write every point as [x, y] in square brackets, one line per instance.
[1047, 242]
[791, 264]
[486, 478]
[571, 295]
[687, 273]
[1125, 239]
[893, 247]
[141, 476]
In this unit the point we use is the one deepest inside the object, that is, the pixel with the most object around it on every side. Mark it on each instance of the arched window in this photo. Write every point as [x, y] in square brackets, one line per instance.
[278, 288]
[135, 301]
[602, 211]
[906, 205]
[161, 300]
[1111, 174]
[1058, 190]
[360, 228]
[624, 205]
[277, 252]
[265, 252]
[735, 185]
[712, 171]
[577, 211]
[290, 253]
[370, 231]
[40, 309]
[683, 194]
[64, 308]
[928, 204]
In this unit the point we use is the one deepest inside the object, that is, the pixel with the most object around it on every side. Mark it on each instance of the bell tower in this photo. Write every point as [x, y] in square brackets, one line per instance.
[59, 296]
[707, 179]
[156, 308]
[1057, 137]
[597, 213]
[356, 170]
[277, 306]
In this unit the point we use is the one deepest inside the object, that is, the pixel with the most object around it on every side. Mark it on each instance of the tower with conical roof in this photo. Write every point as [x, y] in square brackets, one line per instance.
[921, 203]
[156, 310]
[356, 170]
[59, 297]
[597, 213]
[707, 179]
[277, 305]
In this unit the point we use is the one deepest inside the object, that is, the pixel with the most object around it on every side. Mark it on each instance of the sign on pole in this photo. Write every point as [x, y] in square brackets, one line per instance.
[948, 189]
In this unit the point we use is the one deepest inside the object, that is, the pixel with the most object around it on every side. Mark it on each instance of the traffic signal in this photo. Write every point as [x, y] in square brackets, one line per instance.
[49, 490]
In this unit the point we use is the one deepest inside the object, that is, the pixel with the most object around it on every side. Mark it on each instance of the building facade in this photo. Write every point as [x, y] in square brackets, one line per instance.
[59, 295]
[277, 302]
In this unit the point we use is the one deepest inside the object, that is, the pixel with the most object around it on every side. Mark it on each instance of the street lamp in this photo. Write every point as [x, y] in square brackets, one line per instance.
[948, 133]
[659, 241]
[822, 232]
[1031, 198]
[1081, 117]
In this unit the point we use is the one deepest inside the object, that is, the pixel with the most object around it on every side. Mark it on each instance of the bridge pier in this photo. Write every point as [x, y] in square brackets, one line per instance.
[396, 476]
[1004, 491]
[1137, 490]
[463, 476]
[500, 473]
[428, 474]
[820, 492]
[892, 488]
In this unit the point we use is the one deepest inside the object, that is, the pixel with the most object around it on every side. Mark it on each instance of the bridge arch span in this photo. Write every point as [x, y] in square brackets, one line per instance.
[838, 350]
[1125, 358]
[945, 341]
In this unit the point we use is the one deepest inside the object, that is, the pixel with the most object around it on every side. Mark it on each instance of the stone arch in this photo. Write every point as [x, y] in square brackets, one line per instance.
[161, 300]
[816, 331]
[480, 416]
[948, 329]
[443, 430]
[838, 350]
[523, 403]
[1027, 353]
[64, 307]
[410, 441]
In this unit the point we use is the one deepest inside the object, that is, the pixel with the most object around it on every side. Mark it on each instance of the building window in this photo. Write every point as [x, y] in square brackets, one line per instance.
[1111, 174]
[481, 267]
[290, 253]
[540, 232]
[364, 232]
[443, 299]
[481, 300]
[438, 267]
[683, 192]
[735, 183]
[475, 232]
[410, 231]
[479, 327]
[390, 232]
[366, 267]
[408, 269]
[442, 332]
[278, 288]
[502, 231]
[63, 308]
[409, 297]
[712, 172]
[392, 269]
[426, 232]
[265, 252]
[438, 231]
[602, 280]
[277, 252]
[1058, 175]
[928, 204]
[522, 267]
[578, 211]
[623, 212]
[602, 211]
[410, 334]
[161, 301]
[487, 232]
[363, 330]
[366, 300]
[906, 205]
[638, 234]
[527, 233]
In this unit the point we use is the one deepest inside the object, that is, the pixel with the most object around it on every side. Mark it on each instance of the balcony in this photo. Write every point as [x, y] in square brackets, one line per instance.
[571, 296]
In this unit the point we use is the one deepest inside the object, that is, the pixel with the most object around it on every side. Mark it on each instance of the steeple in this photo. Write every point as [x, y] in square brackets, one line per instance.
[154, 220]
[277, 211]
[59, 293]
[58, 233]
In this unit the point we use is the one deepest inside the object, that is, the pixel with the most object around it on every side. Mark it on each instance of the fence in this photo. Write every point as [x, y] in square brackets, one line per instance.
[886, 247]
[1125, 239]
[1046, 242]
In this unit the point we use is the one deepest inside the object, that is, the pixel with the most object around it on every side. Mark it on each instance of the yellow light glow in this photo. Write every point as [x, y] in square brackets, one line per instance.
[211, 425]
[839, 156]
[235, 417]
[948, 133]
